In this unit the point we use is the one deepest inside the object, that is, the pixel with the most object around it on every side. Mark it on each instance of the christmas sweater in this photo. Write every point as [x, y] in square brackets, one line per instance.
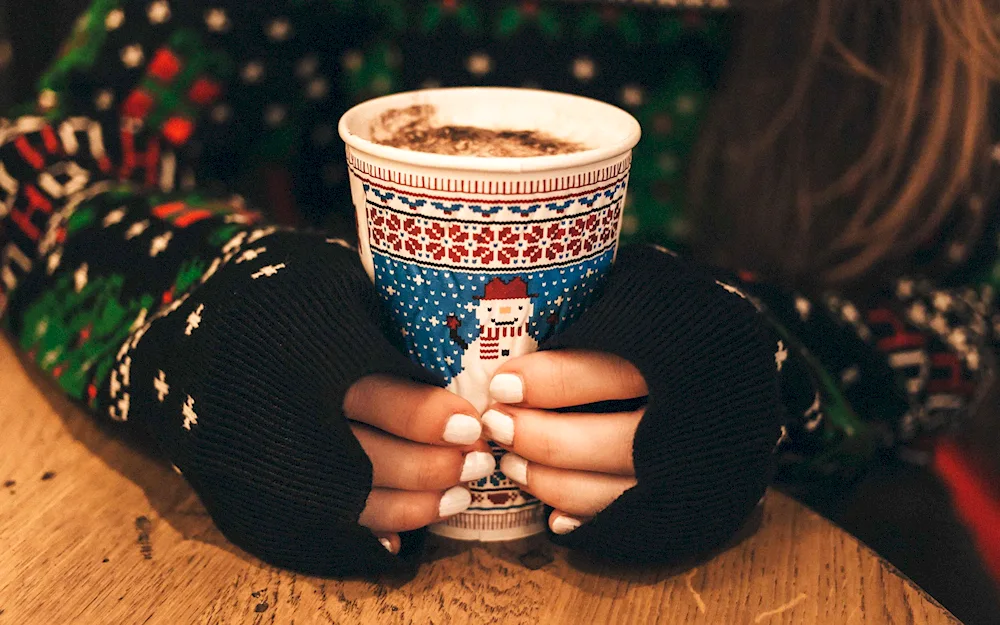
[133, 273]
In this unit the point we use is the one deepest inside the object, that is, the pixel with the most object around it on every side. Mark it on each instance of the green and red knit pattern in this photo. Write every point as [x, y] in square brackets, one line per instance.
[117, 192]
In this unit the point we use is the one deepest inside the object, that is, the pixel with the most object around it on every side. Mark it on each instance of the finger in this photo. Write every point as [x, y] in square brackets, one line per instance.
[405, 465]
[390, 541]
[562, 523]
[402, 511]
[417, 412]
[600, 443]
[558, 379]
[578, 493]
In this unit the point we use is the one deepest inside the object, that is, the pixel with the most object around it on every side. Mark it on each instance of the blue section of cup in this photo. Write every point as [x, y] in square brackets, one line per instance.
[422, 300]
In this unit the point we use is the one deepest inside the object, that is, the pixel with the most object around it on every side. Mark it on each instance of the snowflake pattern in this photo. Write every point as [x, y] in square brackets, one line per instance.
[190, 416]
[268, 271]
[194, 320]
[161, 387]
[781, 355]
[421, 298]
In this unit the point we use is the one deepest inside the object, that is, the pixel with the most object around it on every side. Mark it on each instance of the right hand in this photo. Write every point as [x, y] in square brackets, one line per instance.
[423, 441]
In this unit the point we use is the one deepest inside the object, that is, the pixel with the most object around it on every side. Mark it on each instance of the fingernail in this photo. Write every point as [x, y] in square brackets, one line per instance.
[507, 388]
[455, 500]
[462, 429]
[478, 464]
[386, 543]
[564, 524]
[499, 427]
[515, 467]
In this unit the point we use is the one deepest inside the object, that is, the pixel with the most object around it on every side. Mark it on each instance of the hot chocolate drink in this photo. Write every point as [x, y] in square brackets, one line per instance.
[413, 128]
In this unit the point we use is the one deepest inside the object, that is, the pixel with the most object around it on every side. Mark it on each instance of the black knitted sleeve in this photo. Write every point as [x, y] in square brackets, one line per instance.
[242, 385]
[703, 450]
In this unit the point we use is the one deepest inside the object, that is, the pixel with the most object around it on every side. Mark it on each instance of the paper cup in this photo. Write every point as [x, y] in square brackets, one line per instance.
[480, 259]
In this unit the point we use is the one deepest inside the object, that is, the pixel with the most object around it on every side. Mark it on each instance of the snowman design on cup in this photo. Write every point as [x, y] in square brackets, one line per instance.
[504, 311]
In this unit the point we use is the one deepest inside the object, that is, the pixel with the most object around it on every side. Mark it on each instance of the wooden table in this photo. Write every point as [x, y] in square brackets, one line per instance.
[93, 532]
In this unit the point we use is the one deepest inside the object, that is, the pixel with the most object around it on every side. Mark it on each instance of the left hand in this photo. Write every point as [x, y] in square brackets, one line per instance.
[578, 463]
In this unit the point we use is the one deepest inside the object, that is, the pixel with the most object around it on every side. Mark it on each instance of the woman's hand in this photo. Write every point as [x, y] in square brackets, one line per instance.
[578, 463]
[422, 442]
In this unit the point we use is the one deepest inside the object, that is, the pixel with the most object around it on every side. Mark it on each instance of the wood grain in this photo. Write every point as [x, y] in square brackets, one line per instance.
[94, 532]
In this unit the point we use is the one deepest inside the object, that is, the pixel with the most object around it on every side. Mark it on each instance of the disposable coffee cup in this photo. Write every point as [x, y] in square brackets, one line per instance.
[479, 259]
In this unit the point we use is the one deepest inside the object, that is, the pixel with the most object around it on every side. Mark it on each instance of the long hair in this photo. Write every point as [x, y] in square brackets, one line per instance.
[848, 136]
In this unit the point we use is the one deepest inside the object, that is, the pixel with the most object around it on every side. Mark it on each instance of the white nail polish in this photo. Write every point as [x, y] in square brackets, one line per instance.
[462, 429]
[565, 524]
[478, 464]
[499, 427]
[507, 388]
[515, 467]
[455, 500]
[386, 543]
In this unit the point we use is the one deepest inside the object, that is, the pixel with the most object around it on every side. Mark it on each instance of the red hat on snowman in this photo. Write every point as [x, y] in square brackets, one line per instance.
[496, 289]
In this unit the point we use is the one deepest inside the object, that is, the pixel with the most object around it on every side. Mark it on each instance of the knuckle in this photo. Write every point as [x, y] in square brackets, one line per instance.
[549, 449]
[439, 469]
[425, 422]
[561, 498]
[412, 512]
[354, 397]
[425, 411]
[422, 475]
[621, 373]
[543, 370]
[562, 385]
[570, 501]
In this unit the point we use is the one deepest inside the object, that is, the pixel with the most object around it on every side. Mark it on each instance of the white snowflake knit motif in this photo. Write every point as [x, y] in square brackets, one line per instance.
[114, 217]
[113, 384]
[268, 271]
[732, 289]
[803, 307]
[158, 12]
[814, 414]
[783, 438]
[850, 375]
[50, 357]
[340, 242]
[663, 250]
[125, 370]
[114, 19]
[260, 233]
[194, 320]
[781, 355]
[159, 244]
[53, 263]
[80, 278]
[161, 386]
[250, 255]
[119, 411]
[132, 55]
[136, 229]
[216, 20]
[190, 417]
[140, 320]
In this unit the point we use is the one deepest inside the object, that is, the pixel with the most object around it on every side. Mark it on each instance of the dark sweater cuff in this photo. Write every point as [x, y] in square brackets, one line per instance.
[703, 450]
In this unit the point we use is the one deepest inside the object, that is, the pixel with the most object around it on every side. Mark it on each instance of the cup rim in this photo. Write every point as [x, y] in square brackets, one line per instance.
[502, 164]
